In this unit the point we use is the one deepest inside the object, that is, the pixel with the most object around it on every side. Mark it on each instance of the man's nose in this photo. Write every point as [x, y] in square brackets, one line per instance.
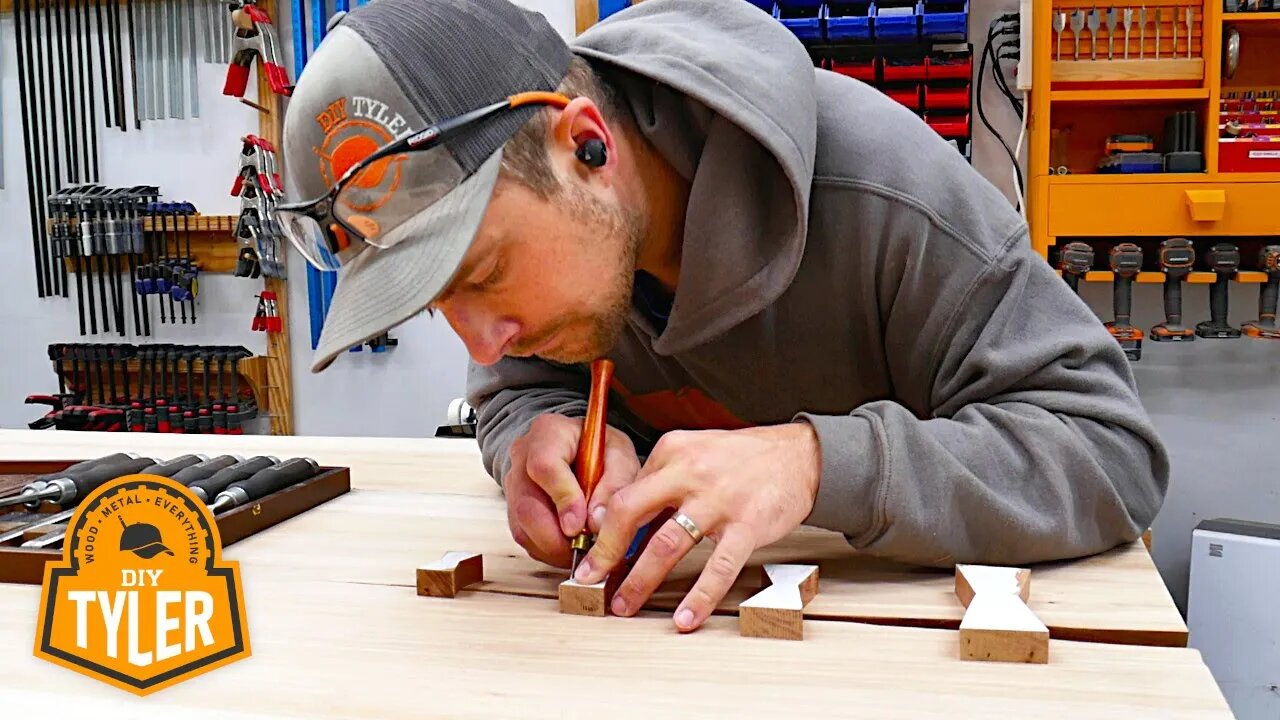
[485, 336]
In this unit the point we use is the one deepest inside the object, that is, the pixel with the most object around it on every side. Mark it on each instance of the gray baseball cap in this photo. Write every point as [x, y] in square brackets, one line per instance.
[390, 69]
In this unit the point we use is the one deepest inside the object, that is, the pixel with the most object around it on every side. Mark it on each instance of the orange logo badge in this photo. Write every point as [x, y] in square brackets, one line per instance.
[142, 599]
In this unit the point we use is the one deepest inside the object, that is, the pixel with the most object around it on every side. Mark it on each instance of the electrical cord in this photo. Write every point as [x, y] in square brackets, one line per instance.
[992, 34]
[998, 72]
[1017, 154]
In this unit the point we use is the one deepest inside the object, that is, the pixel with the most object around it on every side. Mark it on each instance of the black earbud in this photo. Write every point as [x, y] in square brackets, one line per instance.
[592, 153]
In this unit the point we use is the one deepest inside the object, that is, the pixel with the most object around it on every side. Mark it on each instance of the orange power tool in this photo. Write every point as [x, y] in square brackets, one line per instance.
[589, 464]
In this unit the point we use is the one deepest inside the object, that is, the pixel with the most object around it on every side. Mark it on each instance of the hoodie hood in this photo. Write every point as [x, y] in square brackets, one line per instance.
[726, 94]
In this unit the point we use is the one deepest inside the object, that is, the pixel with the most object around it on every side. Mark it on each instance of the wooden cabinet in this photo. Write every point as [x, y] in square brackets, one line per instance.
[1076, 105]
[1185, 208]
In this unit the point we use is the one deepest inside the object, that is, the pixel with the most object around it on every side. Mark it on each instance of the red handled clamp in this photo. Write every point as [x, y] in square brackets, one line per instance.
[258, 160]
[254, 36]
[267, 318]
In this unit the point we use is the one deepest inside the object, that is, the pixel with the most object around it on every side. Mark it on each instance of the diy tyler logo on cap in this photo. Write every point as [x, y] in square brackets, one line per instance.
[141, 598]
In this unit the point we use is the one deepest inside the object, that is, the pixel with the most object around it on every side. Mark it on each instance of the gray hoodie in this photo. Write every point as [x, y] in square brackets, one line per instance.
[842, 265]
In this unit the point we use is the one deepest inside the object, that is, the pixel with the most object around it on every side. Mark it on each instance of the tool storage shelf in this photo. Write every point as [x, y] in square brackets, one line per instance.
[1128, 95]
[1079, 106]
[1252, 17]
[916, 52]
[1157, 278]
[252, 382]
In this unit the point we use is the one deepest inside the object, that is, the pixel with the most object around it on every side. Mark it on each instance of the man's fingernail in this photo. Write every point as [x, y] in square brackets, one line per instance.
[584, 572]
[598, 515]
[572, 521]
[684, 619]
[619, 606]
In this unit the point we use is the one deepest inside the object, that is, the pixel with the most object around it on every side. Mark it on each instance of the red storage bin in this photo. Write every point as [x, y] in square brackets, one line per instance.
[1260, 154]
[949, 126]
[912, 70]
[864, 70]
[952, 98]
[909, 96]
[949, 68]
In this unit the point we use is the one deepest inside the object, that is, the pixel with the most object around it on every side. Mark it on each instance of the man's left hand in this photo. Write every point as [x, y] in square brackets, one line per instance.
[744, 489]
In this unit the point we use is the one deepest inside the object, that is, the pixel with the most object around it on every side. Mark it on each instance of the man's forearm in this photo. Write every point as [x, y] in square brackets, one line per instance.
[997, 483]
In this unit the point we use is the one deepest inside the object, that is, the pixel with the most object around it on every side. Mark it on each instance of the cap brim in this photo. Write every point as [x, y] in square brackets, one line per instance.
[382, 288]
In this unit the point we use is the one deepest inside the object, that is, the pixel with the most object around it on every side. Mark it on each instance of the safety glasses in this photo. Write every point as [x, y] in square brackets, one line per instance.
[359, 211]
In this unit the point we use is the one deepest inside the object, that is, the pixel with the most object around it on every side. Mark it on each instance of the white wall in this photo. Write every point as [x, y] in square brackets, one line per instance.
[191, 160]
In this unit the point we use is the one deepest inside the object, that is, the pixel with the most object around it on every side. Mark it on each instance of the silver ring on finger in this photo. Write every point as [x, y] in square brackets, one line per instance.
[689, 526]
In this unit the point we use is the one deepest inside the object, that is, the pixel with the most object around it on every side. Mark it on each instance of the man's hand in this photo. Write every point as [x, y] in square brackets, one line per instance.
[744, 489]
[545, 505]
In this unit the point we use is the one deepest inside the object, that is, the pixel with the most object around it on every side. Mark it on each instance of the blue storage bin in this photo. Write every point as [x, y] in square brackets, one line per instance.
[800, 4]
[805, 23]
[849, 21]
[609, 7]
[897, 23]
[945, 20]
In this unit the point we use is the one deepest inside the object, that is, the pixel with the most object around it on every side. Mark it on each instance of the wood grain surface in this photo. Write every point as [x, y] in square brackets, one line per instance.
[338, 630]
[339, 650]
[415, 499]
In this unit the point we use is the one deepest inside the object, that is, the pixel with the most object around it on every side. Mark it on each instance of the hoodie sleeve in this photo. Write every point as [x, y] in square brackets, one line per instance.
[507, 397]
[1028, 441]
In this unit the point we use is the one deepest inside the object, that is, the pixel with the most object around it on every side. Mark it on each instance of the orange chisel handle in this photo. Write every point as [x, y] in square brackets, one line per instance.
[589, 465]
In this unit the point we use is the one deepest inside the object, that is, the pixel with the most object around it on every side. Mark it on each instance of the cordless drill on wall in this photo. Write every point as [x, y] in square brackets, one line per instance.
[1177, 256]
[1223, 259]
[1076, 260]
[1265, 325]
[1126, 261]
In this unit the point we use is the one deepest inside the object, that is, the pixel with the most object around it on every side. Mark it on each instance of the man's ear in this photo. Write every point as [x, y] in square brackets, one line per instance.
[580, 121]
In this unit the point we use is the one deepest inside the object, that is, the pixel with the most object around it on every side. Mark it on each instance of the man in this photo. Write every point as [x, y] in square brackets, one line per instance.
[819, 313]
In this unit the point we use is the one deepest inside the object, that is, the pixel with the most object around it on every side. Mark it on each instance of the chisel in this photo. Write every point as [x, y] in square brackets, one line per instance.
[219, 481]
[70, 486]
[167, 469]
[263, 483]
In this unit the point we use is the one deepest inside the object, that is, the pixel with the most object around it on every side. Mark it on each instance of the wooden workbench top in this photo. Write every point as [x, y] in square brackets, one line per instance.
[346, 650]
[338, 631]
[414, 499]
